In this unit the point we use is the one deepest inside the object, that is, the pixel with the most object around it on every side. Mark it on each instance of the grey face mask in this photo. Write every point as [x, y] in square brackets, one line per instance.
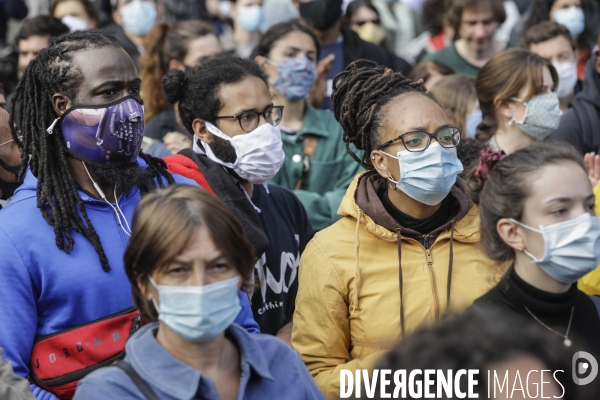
[542, 115]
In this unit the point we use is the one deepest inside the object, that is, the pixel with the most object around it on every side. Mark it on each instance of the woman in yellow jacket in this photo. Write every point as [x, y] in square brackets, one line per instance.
[406, 249]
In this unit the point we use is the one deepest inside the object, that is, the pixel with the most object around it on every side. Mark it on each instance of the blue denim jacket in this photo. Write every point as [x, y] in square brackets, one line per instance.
[270, 370]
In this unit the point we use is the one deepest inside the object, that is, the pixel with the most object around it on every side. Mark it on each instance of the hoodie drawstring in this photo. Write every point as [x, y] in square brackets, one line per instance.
[356, 269]
[398, 232]
[450, 268]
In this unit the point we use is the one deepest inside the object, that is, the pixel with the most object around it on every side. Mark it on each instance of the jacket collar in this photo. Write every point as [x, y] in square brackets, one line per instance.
[158, 367]
[361, 198]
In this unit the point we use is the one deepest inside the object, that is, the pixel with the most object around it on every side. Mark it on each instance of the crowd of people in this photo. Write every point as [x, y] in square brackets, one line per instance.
[244, 199]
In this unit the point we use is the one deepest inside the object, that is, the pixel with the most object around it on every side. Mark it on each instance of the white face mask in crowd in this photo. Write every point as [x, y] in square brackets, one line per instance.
[259, 153]
[567, 78]
[571, 18]
[542, 115]
[198, 313]
[250, 18]
[571, 248]
[75, 23]
[138, 16]
[427, 176]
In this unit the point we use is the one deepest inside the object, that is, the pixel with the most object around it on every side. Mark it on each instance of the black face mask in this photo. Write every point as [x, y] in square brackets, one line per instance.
[8, 188]
[321, 14]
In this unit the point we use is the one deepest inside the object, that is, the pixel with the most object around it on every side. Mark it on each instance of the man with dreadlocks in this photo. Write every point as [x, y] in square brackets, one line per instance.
[62, 265]
[386, 267]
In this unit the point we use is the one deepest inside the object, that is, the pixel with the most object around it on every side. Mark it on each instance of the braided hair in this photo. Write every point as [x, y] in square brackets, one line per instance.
[359, 93]
[53, 71]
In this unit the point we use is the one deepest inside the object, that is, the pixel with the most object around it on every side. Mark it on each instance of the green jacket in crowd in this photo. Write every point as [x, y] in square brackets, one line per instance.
[331, 168]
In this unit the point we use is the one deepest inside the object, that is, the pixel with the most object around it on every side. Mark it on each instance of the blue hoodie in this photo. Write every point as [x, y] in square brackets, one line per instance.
[45, 290]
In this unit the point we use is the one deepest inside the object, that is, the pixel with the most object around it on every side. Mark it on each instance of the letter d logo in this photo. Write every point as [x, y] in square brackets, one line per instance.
[583, 367]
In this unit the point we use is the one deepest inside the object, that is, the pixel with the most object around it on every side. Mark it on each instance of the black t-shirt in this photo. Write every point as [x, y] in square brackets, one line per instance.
[286, 224]
[426, 225]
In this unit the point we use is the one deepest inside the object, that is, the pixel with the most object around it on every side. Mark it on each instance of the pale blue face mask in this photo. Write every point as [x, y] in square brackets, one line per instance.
[571, 248]
[138, 16]
[251, 18]
[198, 313]
[571, 18]
[473, 121]
[428, 176]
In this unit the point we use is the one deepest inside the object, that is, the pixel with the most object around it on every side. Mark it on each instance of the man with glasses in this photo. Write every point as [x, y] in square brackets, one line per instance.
[10, 160]
[226, 105]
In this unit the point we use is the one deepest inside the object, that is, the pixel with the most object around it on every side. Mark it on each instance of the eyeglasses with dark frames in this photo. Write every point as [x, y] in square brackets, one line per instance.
[249, 120]
[448, 137]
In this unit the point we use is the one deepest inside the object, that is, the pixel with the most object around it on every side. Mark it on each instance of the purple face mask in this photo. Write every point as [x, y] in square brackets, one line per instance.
[107, 135]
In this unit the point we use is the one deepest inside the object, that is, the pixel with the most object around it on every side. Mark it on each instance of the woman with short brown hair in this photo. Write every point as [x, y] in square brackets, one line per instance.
[517, 100]
[186, 260]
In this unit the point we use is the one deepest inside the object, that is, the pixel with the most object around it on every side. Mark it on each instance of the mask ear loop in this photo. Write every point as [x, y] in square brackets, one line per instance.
[128, 233]
[389, 178]
[156, 287]
[533, 258]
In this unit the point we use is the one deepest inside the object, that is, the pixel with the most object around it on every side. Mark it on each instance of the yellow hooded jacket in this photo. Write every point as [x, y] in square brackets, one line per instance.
[353, 275]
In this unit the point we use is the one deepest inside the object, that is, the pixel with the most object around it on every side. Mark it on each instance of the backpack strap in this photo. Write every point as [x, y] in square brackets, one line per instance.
[139, 382]
[310, 146]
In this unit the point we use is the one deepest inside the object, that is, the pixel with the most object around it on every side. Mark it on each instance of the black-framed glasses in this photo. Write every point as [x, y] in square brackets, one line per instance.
[448, 136]
[249, 120]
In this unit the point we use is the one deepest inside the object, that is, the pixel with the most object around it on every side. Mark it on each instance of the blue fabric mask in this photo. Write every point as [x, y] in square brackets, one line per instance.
[428, 176]
[198, 313]
[295, 77]
[138, 16]
[251, 18]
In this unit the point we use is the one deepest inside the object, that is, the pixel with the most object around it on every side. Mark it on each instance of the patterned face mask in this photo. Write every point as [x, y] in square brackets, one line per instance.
[110, 134]
[542, 115]
[295, 77]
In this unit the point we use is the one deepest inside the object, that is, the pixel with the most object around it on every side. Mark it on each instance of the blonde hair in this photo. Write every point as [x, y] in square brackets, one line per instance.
[456, 94]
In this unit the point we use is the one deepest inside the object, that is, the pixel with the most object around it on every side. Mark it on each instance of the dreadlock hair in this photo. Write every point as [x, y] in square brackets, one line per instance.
[359, 93]
[53, 71]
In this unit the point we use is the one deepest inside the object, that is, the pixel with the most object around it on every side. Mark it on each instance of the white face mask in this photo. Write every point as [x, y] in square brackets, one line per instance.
[567, 77]
[198, 313]
[571, 248]
[75, 23]
[259, 153]
[572, 18]
[427, 176]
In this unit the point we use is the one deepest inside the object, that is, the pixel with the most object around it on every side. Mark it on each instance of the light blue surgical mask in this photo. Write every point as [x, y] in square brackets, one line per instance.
[428, 176]
[198, 313]
[571, 18]
[571, 248]
[473, 121]
[139, 16]
[250, 18]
